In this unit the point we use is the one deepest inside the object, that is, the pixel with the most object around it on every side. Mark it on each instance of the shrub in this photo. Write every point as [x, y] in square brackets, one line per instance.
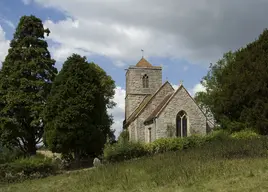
[25, 168]
[123, 137]
[245, 134]
[128, 150]
[124, 151]
[217, 135]
[9, 154]
[193, 141]
[165, 144]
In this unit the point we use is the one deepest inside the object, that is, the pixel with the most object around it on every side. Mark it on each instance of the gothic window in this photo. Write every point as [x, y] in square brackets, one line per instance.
[181, 127]
[145, 81]
[150, 135]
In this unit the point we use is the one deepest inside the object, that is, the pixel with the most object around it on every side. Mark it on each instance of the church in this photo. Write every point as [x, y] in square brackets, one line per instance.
[154, 110]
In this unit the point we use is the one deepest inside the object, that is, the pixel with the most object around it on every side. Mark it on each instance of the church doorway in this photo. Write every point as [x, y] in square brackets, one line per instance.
[181, 124]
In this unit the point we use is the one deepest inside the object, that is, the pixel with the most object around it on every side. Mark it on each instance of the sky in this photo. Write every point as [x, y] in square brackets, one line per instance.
[182, 36]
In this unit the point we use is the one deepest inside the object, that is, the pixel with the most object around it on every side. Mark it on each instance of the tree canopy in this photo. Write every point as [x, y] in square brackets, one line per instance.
[25, 82]
[236, 87]
[76, 118]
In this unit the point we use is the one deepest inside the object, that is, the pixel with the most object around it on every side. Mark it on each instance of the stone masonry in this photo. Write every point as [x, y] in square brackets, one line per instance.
[151, 112]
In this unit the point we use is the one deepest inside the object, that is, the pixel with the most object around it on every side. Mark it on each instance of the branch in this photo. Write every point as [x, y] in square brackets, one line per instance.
[20, 146]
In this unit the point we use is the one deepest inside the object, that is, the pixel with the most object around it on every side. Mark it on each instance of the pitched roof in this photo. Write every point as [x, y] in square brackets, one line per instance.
[165, 102]
[143, 63]
[157, 109]
[143, 105]
[138, 109]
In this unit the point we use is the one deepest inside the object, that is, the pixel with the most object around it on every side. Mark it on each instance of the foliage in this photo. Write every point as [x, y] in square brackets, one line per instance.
[236, 87]
[194, 141]
[165, 144]
[128, 150]
[123, 151]
[76, 118]
[217, 135]
[123, 137]
[25, 82]
[245, 134]
[9, 154]
[26, 168]
[237, 164]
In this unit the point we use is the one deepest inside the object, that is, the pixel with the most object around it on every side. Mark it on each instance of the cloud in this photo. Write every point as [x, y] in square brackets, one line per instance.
[197, 88]
[61, 52]
[4, 45]
[119, 111]
[175, 86]
[8, 22]
[199, 32]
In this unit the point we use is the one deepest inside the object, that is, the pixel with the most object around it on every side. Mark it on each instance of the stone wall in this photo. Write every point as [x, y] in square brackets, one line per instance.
[135, 92]
[156, 100]
[132, 102]
[181, 101]
[134, 80]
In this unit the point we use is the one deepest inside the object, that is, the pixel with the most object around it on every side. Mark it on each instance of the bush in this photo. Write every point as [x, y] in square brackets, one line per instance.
[165, 144]
[124, 151]
[194, 141]
[127, 150]
[123, 137]
[26, 168]
[9, 154]
[245, 134]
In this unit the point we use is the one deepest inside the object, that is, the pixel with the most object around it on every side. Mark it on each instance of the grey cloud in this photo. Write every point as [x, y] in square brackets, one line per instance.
[203, 30]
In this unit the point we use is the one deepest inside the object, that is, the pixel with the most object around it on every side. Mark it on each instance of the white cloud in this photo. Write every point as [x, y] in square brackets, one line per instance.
[119, 63]
[61, 52]
[166, 29]
[119, 111]
[4, 45]
[175, 86]
[197, 88]
[116, 41]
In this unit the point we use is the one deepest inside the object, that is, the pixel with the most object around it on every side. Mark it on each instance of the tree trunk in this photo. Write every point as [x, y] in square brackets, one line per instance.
[31, 148]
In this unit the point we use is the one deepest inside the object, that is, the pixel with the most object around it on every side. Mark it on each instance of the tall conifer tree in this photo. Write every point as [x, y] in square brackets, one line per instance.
[25, 82]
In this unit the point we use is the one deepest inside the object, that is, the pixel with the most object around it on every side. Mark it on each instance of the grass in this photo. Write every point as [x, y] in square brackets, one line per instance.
[219, 166]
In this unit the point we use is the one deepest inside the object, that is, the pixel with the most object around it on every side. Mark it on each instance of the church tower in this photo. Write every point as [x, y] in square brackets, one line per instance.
[142, 80]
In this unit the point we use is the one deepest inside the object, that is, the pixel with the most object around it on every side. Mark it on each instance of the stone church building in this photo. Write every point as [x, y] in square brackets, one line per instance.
[154, 109]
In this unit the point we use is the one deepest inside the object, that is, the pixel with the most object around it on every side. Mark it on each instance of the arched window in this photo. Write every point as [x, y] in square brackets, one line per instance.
[145, 81]
[181, 124]
[150, 135]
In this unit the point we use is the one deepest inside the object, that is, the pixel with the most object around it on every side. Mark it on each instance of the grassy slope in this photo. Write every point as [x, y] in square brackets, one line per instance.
[193, 170]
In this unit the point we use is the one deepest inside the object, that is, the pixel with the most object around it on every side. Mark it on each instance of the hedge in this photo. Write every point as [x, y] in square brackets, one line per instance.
[27, 168]
[128, 150]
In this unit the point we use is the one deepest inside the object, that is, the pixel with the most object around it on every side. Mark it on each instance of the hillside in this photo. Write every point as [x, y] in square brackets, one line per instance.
[218, 166]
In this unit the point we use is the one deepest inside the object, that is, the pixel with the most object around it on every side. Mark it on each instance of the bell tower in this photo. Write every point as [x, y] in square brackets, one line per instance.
[142, 80]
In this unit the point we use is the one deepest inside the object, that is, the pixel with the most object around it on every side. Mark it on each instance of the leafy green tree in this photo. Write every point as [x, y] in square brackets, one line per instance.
[236, 87]
[76, 118]
[25, 82]
[210, 99]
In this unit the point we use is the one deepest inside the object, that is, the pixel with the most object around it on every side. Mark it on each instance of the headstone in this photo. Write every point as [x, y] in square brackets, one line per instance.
[96, 162]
